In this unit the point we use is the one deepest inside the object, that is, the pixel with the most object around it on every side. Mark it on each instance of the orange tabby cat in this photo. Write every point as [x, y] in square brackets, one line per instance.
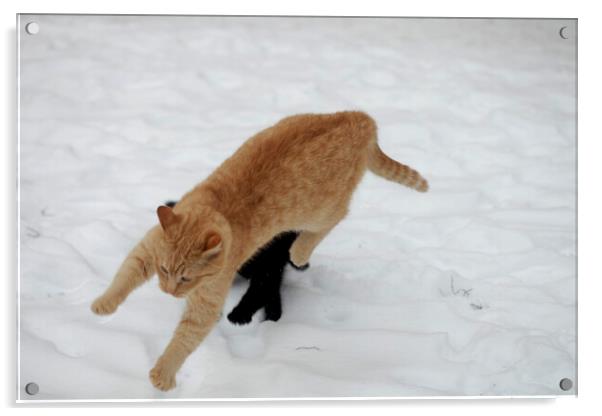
[296, 175]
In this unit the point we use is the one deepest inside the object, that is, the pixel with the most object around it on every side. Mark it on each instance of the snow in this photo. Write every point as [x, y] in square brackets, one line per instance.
[466, 290]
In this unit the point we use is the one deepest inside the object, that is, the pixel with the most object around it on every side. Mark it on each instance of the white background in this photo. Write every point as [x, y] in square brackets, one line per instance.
[588, 203]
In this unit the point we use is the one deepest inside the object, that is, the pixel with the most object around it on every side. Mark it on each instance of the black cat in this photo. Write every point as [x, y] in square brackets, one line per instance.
[264, 271]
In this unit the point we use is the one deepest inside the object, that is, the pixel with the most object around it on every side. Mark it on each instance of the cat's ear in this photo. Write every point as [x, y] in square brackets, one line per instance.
[213, 244]
[166, 217]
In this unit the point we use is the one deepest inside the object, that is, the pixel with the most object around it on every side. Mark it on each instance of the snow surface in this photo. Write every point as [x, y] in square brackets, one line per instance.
[466, 290]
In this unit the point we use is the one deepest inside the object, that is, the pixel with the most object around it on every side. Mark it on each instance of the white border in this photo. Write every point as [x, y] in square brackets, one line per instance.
[20, 393]
[18, 121]
[300, 399]
[590, 206]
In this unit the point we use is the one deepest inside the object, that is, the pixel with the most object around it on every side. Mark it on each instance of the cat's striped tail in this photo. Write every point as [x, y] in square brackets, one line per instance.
[390, 169]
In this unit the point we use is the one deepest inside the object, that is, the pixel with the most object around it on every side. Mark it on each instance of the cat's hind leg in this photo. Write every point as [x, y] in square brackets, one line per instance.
[304, 245]
[250, 303]
[307, 241]
[273, 303]
[273, 307]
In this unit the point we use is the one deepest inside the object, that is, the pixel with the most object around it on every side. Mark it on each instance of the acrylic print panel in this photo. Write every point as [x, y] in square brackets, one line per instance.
[466, 290]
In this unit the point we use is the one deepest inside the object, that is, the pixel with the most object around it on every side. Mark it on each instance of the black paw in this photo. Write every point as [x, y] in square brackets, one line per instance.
[240, 317]
[273, 311]
[300, 268]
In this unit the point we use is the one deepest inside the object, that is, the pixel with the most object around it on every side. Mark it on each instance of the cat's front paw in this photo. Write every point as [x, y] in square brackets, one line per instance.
[240, 317]
[104, 305]
[273, 310]
[162, 378]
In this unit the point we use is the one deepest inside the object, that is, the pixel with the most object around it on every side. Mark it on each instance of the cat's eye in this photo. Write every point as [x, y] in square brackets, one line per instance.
[185, 279]
[163, 269]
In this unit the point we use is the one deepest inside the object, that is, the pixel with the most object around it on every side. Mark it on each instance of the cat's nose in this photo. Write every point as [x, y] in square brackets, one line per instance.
[171, 286]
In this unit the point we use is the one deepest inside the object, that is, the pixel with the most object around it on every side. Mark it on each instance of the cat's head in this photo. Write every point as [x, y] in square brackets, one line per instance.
[193, 249]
